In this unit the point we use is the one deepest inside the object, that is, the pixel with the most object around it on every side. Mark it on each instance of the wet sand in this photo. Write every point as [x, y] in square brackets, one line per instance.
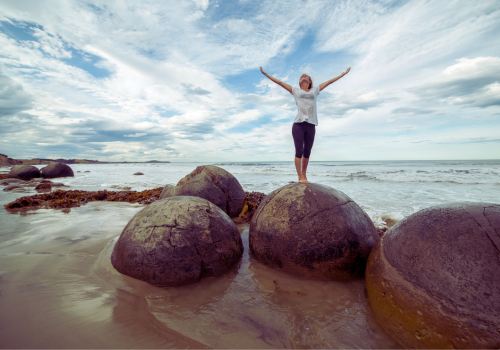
[59, 290]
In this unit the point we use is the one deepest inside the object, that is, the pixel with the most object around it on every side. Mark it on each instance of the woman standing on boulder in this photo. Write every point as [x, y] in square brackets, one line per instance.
[304, 125]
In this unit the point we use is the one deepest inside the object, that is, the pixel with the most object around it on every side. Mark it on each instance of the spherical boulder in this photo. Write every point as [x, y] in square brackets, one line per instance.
[177, 240]
[313, 231]
[57, 170]
[24, 172]
[433, 280]
[213, 184]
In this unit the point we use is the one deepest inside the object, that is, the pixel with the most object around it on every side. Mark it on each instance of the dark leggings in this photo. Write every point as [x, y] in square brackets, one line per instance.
[303, 137]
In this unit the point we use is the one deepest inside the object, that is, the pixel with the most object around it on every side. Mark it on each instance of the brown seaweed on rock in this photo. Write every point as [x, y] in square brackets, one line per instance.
[74, 198]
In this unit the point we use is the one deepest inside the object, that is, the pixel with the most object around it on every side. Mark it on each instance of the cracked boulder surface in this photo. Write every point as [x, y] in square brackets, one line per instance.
[213, 184]
[433, 280]
[312, 231]
[24, 172]
[54, 170]
[177, 240]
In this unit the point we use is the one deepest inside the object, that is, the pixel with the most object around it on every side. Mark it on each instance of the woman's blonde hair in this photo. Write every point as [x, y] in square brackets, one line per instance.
[310, 80]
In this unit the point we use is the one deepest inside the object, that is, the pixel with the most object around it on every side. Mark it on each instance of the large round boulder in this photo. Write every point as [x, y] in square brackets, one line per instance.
[433, 280]
[213, 184]
[313, 231]
[177, 240]
[24, 172]
[57, 170]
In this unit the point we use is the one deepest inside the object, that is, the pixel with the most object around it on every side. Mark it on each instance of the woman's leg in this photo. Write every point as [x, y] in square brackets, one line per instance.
[298, 140]
[305, 161]
[308, 144]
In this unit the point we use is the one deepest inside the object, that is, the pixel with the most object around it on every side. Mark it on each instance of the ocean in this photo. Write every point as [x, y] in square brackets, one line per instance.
[58, 288]
[395, 188]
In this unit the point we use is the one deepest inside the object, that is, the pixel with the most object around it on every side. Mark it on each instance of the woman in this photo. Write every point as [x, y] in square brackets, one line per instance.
[304, 125]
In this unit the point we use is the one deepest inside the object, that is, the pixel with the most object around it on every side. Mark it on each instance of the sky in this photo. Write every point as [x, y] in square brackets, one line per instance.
[180, 80]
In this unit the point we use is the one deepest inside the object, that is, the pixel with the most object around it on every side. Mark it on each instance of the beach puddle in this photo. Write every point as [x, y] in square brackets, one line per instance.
[58, 289]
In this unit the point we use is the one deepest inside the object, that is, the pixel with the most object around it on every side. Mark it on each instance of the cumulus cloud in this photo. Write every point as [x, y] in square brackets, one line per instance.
[345, 102]
[470, 81]
[13, 98]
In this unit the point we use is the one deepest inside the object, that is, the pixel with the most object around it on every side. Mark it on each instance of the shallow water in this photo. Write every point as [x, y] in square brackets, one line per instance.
[58, 289]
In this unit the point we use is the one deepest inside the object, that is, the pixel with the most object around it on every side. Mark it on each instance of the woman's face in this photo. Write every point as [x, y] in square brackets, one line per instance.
[305, 81]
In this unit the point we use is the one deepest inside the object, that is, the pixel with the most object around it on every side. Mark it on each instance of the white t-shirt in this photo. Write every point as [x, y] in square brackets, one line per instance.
[306, 104]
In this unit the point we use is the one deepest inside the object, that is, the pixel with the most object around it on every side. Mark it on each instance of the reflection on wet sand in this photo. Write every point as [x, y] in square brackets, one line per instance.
[58, 289]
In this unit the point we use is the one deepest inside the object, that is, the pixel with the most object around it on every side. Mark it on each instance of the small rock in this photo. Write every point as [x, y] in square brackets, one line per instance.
[44, 187]
[12, 181]
[19, 190]
[11, 187]
[57, 184]
[87, 171]
[138, 174]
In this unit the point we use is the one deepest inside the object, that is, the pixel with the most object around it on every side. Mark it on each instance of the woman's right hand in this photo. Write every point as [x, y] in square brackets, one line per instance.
[261, 70]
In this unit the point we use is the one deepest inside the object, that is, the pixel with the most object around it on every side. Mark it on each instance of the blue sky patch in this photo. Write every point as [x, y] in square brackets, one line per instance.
[87, 62]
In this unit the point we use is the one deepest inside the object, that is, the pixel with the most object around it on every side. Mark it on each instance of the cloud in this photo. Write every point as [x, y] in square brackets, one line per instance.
[470, 81]
[51, 44]
[201, 4]
[345, 102]
[195, 16]
[393, 38]
[13, 98]
[240, 26]
[191, 90]
[411, 111]
[194, 85]
[137, 134]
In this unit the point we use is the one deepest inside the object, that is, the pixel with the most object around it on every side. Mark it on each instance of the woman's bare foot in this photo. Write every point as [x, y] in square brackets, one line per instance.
[303, 180]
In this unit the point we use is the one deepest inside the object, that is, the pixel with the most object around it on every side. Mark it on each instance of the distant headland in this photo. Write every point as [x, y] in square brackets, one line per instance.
[6, 161]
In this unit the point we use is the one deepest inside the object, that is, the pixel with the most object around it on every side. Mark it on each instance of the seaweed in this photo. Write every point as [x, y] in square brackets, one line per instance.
[60, 199]
[63, 199]
[252, 201]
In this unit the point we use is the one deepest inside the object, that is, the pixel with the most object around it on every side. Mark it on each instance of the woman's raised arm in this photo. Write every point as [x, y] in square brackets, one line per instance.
[326, 83]
[279, 82]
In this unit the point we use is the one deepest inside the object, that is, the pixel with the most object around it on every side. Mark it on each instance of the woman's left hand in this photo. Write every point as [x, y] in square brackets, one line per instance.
[347, 71]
